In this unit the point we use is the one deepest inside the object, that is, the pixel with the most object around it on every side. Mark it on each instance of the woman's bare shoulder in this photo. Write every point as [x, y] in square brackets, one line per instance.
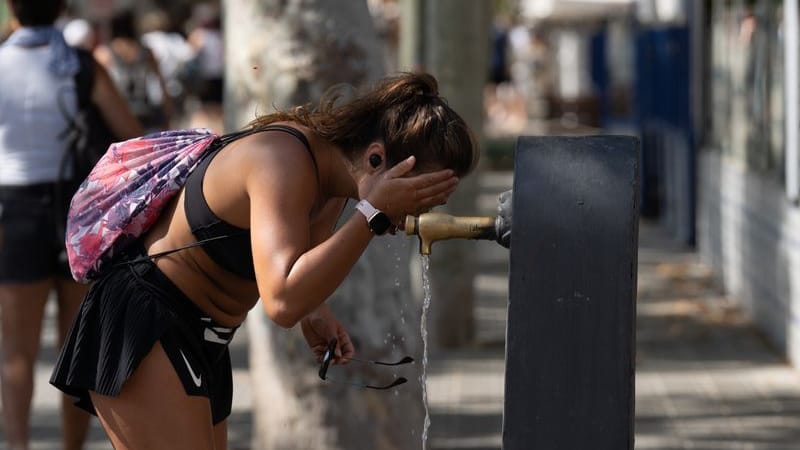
[273, 159]
[276, 150]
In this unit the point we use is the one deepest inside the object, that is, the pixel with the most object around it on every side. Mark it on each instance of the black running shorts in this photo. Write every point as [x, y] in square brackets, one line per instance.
[124, 314]
[32, 221]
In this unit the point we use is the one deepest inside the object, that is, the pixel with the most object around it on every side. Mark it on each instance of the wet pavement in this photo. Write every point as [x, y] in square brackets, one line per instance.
[705, 379]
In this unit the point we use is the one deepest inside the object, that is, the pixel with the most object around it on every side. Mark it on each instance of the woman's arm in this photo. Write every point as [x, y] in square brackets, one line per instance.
[321, 325]
[113, 106]
[294, 276]
[319, 328]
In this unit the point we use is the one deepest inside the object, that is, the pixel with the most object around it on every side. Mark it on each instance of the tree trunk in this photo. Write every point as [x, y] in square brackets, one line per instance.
[455, 50]
[280, 54]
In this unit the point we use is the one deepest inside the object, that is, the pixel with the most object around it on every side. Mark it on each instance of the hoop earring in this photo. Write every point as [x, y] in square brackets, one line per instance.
[375, 160]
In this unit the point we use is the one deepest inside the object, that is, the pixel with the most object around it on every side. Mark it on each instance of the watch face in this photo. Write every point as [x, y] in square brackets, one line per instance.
[379, 223]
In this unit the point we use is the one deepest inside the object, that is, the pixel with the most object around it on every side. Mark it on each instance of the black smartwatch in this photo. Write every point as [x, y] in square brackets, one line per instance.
[377, 220]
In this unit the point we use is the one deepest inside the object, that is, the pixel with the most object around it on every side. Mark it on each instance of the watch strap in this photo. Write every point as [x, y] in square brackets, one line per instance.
[377, 221]
[366, 208]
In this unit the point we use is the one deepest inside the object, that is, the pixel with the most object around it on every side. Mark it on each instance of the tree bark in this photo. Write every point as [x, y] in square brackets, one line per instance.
[280, 54]
[455, 50]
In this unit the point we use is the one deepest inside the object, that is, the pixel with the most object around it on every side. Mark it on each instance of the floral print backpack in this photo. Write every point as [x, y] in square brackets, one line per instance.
[125, 192]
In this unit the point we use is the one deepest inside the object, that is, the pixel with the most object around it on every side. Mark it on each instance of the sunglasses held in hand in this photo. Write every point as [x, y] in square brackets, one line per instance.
[329, 354]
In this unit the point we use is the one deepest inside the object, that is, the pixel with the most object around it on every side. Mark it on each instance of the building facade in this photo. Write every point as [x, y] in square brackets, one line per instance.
[748, 221]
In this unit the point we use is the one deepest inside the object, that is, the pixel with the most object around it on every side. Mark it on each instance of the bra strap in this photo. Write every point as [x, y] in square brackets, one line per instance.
[228, 138]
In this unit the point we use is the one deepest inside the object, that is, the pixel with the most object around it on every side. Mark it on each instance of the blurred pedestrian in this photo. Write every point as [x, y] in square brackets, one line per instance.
[171, 50]
[135, 71]
[498, 57]
[208, 65]
[37, 99]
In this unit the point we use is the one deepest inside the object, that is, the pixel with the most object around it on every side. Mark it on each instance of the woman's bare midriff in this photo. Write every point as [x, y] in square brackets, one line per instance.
[225, 297]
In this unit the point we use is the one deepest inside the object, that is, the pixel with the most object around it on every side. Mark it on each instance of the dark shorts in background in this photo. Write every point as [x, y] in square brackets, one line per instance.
[122, 317]
[32, 221]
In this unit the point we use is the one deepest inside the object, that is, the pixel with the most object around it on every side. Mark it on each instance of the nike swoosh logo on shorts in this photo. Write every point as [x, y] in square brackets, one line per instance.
[197, 379]
[213, 335]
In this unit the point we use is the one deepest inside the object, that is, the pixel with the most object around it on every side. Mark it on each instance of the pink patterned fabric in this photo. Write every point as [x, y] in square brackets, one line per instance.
[124, 194]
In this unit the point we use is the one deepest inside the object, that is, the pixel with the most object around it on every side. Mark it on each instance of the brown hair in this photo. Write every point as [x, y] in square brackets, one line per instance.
[36, 12]
[404, 112]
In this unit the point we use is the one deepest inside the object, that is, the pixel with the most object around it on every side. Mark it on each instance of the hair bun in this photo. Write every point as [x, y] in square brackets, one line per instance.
[428, 85]
[427, 95]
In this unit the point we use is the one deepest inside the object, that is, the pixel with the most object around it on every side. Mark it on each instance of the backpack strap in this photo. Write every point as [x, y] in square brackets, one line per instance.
[146, 257]
[84, 82]
[84, 79]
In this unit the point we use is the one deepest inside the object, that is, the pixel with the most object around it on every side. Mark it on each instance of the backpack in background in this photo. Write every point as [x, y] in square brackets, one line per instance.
[124, 194]
[88, 135]
[140, 87]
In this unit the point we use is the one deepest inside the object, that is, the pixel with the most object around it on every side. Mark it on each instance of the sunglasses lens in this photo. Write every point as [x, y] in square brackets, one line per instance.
[329, 355]
[396, 382]
[326, 359]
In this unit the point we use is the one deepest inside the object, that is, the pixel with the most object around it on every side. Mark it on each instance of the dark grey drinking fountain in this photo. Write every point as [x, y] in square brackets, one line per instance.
[570, 338]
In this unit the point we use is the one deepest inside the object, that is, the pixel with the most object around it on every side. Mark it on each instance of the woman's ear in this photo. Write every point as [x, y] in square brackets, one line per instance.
[375, 156]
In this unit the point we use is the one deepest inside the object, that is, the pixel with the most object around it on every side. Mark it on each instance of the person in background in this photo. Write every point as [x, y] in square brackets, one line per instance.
[32, 254]
[149, 350]
[208, 66]
[171, 51]
[135, 71]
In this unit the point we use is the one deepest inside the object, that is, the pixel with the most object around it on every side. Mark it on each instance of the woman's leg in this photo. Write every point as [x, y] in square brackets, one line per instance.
[221, 436]
[74, 421]
[22, 309]
[153, 411]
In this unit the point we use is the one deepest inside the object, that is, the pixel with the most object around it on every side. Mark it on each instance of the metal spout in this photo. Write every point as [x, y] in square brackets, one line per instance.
[432, 227]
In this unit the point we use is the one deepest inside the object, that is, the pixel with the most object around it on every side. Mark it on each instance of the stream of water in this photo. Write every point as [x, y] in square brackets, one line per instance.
[423, 328]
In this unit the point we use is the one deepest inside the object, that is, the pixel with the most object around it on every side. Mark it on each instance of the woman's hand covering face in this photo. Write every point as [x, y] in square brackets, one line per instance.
[398, 193]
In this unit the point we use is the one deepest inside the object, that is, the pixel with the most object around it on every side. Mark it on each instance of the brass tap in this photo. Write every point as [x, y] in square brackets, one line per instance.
[431, 227]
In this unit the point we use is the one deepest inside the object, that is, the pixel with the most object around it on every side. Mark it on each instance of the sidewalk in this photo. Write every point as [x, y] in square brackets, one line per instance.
[45, 420]
[705, 379]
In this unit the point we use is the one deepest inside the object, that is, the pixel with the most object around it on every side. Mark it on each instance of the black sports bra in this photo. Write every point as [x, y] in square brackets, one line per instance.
[226, 244]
